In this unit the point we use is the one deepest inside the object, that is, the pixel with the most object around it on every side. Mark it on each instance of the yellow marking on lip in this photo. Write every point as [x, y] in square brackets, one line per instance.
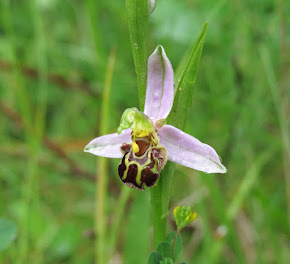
[143, 134]
[135, 147]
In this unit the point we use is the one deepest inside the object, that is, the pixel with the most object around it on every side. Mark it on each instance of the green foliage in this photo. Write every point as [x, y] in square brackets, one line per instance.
[154, 258]
[178, 244]
[7, 233]
[183, 216]
[177, 117]
[163, 253]
[167, 261]
[138, 12]
[164, 248]
[185, 83]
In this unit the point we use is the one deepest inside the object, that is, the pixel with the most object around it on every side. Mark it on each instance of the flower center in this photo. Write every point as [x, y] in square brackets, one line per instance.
[144, 157]
[142, 127]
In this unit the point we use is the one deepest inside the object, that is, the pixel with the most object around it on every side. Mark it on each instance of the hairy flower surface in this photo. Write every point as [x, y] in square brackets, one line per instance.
[145, 142]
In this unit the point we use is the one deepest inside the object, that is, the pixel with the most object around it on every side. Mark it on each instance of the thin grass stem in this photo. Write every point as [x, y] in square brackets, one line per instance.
[102, 163]
[118, 215]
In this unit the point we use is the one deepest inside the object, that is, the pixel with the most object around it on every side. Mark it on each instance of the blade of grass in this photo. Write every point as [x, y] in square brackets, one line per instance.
[219, 204]
[281, 110]
[102, 164]
[118, 217]
[39, 118]
[246, 184]
[185, 83]
[229, 215]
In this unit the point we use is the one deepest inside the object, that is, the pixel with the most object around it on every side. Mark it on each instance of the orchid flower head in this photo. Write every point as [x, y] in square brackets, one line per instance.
[145, 142]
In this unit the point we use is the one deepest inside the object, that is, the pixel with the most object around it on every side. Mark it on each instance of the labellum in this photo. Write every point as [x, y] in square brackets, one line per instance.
[142, 162]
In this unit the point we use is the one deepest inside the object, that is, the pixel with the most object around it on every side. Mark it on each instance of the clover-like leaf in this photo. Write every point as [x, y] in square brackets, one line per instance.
[167, 261]
[154, 258]
[183, 216]
[165, 248]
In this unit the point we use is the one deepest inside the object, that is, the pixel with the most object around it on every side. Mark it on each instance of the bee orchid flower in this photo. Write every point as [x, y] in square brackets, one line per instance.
[145, 142]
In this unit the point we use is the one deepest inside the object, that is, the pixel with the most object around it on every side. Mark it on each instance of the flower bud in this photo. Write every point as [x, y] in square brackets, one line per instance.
[183, 216]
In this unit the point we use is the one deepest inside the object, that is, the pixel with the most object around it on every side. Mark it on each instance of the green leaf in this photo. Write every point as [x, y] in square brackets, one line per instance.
[165, 249]
[138, 12]
[184, 90]
[160, 193]
[178, 243]
[154, 258]
[7, 233]
[167, 261]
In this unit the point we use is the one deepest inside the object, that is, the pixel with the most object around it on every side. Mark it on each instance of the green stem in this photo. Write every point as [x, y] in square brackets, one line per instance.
[101, 183]
[100, 216]
[159, 222]
[120, 210]
[138, 13]
[173, 245]
[160, 203]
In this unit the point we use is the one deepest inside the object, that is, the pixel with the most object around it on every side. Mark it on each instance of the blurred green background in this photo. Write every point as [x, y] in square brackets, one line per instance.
[53, 63]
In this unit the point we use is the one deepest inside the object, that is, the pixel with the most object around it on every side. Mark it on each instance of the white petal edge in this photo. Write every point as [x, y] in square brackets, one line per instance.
[109, 145]
[160, 82]
[188, 151]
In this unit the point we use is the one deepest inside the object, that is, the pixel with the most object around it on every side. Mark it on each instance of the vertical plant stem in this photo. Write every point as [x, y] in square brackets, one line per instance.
[120, 210]
[283, 84]
[280, 104]
[173, 245]
[159, 221]
[160, 203]
[228, 215]
[40, 112]
[101, 182]
[138, 13]
[100, 217]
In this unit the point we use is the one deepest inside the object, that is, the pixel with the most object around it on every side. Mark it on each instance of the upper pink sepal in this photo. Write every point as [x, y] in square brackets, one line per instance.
[160, 81]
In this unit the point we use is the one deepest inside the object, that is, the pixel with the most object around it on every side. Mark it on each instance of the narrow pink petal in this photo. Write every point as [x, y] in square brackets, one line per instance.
[109, 145]
[159, 93]
[189, 151]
